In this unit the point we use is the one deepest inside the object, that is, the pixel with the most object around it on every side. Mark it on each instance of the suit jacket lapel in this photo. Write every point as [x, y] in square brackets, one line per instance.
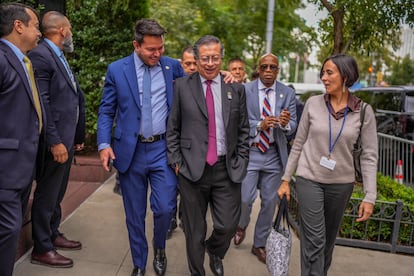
[62, 67]
[280, 100]
[131, 77]
[226, 97]
[255, 101]
[197, 92]
[15, 62]
[168, 78]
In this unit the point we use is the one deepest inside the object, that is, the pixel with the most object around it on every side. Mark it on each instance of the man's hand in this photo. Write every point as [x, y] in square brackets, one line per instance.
[284, 117]
[269, 122]
[79, 147]
[228, 77]
[106, 155]
[60, 153]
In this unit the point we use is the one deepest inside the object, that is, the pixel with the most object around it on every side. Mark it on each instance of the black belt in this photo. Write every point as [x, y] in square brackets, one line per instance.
[257, 145]
[221, 158]
[151, 139]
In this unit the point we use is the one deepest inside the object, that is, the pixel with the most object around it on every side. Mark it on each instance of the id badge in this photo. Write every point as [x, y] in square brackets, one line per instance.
[327, 163]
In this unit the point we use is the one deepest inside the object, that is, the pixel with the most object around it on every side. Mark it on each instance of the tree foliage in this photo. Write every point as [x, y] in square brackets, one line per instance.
[102, 33]
[363, 26]
[402, 72]
[241, 25]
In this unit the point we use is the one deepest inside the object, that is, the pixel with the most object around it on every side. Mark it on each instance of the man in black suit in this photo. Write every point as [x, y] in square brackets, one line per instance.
[208, 146]
[20, 125]
[64, 107]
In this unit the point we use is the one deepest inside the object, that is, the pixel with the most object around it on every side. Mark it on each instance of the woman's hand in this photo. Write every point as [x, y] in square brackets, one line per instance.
[284, 189]
[365, 211]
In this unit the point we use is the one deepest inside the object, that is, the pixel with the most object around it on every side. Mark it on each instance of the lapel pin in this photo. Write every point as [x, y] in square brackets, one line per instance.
[281, 95]
[229, 95]
[167, 67]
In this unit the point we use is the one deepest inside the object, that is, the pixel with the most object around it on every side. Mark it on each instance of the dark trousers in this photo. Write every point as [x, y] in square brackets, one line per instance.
[13, 205]
[46, 211]
[217, 190]
[321, 207]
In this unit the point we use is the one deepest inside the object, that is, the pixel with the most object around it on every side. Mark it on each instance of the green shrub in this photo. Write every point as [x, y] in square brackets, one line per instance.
[388, 190]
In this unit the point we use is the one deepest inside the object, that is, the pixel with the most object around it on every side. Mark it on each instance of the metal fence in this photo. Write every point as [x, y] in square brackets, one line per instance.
[390, 228]
[393, 149]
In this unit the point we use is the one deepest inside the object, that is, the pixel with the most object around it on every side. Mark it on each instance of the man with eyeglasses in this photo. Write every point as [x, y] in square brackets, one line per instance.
[272, 115]
[207, 138]
[138, 94]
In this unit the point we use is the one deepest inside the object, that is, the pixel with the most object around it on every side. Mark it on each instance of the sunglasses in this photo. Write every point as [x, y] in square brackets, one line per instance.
[272, 67]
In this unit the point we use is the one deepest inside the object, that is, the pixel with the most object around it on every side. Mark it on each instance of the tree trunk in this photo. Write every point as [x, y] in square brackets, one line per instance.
[338, 16]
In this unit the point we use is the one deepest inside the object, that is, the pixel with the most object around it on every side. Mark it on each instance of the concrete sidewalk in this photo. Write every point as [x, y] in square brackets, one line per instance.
[100, 224]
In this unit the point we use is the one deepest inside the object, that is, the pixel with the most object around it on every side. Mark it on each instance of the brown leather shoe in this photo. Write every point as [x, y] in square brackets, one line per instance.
[52, 259]
[239, 236]
[64, 244]
[260, 252]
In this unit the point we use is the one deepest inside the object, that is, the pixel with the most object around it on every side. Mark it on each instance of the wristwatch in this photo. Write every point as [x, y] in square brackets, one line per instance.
[258, 126]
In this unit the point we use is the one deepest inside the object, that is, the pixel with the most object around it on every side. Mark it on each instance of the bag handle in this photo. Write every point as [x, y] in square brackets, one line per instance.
[362, 117]
[282, 213]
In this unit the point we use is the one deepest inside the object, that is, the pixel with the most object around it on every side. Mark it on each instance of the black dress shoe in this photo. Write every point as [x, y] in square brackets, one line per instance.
[160, 261]
[216, 264]
[117, 189]
[138, 272]
[173, 226]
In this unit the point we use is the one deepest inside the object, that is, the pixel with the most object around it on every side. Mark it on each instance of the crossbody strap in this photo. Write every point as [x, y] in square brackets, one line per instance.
[362, 117]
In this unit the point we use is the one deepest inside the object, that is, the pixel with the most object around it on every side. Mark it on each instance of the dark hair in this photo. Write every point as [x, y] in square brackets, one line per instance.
[188, 49]
[9, 12]
[147, 27]
[205, 40]
[347, 67]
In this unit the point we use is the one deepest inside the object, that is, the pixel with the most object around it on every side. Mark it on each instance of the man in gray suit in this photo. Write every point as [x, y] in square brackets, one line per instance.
[207, 139]
[272, 116]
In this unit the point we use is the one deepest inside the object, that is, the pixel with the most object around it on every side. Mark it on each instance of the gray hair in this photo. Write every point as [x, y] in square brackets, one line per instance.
[206, 40]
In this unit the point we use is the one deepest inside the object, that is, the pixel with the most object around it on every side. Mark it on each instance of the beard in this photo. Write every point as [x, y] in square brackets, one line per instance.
[68, 46]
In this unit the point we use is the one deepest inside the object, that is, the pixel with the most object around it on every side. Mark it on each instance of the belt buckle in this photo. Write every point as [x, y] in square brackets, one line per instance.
[150, 139]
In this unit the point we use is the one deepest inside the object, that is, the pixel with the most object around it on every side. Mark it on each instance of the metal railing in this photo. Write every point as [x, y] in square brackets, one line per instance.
[391, 149]
[390, 228]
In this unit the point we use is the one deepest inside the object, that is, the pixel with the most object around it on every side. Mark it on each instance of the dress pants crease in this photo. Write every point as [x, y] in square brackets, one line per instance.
[148, 167]
[322, 207]
[214, 189]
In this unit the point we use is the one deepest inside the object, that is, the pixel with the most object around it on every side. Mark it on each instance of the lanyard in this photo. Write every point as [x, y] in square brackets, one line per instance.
[331, 146]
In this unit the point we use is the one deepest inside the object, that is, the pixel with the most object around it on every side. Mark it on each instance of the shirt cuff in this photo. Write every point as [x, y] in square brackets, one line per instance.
[103, 146]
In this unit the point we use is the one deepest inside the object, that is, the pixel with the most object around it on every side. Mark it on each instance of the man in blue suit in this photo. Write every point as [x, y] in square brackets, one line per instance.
[20, 125]
[65, 112]
[138, 92]
[272, 115]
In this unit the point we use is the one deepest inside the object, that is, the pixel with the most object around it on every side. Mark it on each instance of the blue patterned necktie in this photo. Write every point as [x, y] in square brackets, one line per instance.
[264, 136]
[146, 112]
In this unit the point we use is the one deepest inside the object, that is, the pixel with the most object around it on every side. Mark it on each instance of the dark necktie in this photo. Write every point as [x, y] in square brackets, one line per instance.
[35, 93]
[211, 158]
[67, 67]
[146, 115]
[264, 136]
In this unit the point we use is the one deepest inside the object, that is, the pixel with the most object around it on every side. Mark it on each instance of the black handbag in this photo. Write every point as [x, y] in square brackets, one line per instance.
[279, 243]
[358, 147]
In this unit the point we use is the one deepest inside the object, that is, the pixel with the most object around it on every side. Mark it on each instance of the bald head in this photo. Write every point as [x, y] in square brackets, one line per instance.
[52, 21]
[56, 27]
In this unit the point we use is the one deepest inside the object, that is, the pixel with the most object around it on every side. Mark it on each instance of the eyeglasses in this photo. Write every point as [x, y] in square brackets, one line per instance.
[213, 59]
[272, 67]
